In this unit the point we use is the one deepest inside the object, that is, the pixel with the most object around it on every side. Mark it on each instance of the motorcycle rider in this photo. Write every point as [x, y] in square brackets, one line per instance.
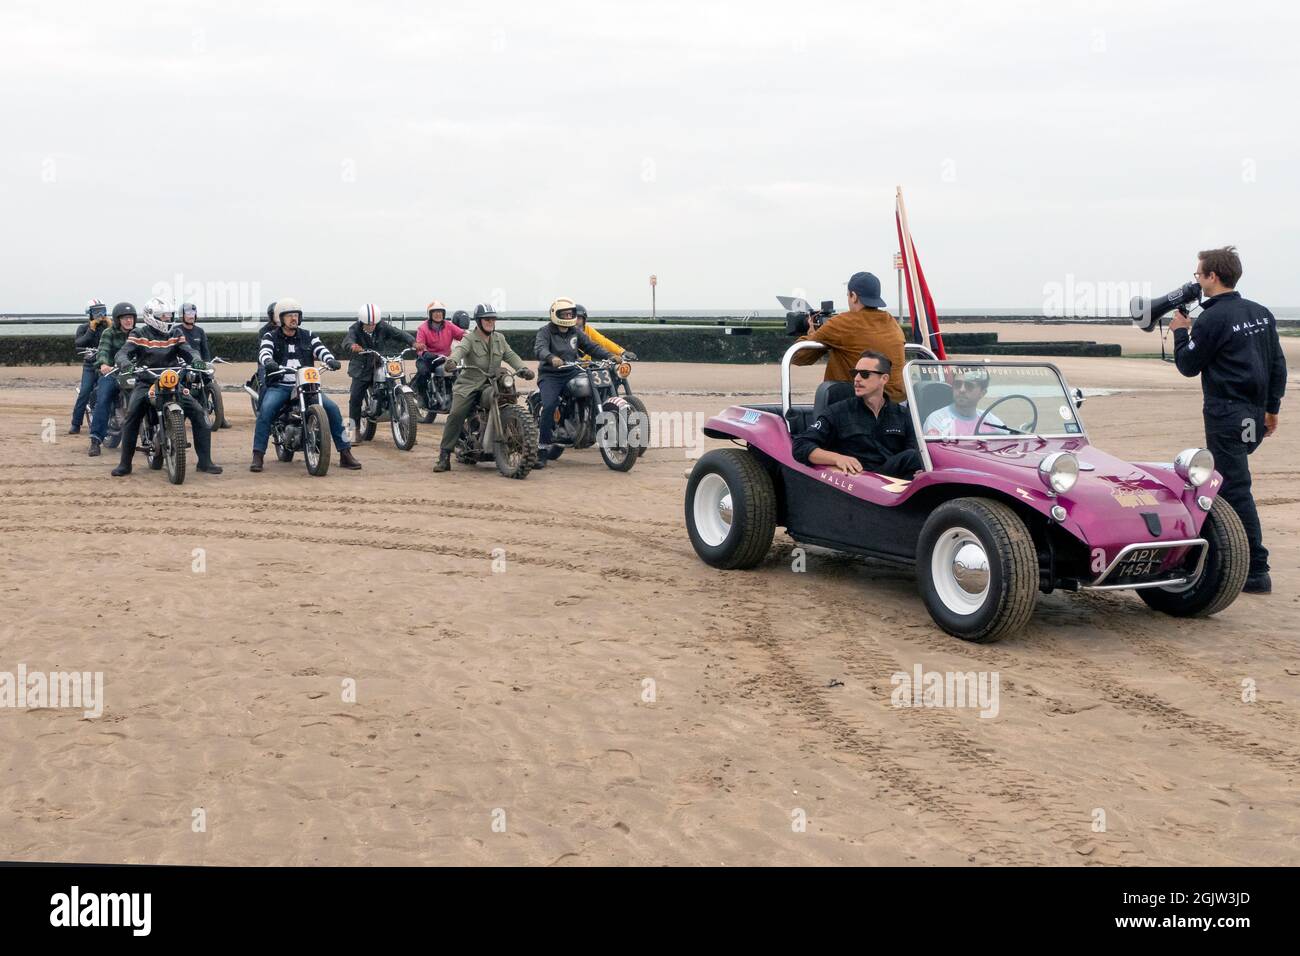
[479, 355]
[289, 345]
[197, 336]
[87, 337]
[158, 345]
[271, 324]
[105, 361]
[559, 342]
[435, 337]
[622, 354]
[369, 331]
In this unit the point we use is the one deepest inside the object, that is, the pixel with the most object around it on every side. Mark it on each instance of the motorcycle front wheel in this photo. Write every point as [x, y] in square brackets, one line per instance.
[316, 441]
[516, 449]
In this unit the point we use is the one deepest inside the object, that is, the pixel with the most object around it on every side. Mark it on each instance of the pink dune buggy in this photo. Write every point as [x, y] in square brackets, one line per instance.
[1013, 500]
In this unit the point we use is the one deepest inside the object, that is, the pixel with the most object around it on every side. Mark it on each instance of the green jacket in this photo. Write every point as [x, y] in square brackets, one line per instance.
[478, 360]
[109, 343]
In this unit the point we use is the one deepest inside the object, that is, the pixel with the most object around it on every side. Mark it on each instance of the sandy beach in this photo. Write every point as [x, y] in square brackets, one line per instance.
[545, 673]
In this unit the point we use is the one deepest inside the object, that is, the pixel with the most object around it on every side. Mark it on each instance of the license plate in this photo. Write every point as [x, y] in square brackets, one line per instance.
[1141, 563]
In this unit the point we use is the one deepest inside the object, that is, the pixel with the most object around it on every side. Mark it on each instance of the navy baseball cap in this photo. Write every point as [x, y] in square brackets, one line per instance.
[867, 287]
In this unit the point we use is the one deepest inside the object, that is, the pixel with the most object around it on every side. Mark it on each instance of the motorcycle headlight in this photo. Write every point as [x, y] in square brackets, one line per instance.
[507, 381]
[1194, 466]
[624, 370]
[1059, 471]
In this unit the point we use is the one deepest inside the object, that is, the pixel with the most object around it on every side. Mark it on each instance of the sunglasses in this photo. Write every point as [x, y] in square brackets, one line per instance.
[867, 372]
[960, 385]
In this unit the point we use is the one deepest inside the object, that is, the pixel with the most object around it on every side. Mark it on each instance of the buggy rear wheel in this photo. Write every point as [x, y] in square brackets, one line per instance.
[977, 569]
[730, 509]
[1222, 576]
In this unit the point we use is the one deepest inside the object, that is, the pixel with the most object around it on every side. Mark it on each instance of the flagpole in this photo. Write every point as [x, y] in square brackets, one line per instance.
[913, 285]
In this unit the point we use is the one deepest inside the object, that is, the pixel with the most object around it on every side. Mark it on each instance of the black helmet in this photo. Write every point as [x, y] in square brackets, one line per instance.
[580, 310]
[460, 319]
[483, 312]
[270, 313]
[121, 309]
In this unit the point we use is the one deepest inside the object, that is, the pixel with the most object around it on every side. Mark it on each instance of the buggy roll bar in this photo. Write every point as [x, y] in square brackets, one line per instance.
[785, 374]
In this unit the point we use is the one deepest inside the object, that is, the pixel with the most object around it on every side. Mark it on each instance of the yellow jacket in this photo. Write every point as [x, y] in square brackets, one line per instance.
[601, 341]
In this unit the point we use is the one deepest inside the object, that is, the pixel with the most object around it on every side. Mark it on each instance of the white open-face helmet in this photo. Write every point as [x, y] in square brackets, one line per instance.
[158, 314]
[369, 313]
[563, 304]
[283, 307]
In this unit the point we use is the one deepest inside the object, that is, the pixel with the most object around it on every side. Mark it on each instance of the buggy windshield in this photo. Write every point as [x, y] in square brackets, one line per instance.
[955, 401]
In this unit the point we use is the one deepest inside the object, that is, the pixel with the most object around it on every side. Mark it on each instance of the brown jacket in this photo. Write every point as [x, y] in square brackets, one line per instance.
[848, 335]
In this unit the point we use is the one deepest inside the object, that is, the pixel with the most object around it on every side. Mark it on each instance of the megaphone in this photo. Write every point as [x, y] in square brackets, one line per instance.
[1146, 312]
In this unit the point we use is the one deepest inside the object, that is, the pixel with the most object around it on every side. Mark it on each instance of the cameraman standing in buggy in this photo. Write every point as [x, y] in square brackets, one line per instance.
[369, 331]
[1237, 353]
[865, 327]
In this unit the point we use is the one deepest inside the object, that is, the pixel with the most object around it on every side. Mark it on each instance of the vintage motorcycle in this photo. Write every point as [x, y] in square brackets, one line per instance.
[389, 396]
[208, 395]
[435, 396]
[592, 412]
[117, 415]
[302, 424]
[162, 431]
[500, 430]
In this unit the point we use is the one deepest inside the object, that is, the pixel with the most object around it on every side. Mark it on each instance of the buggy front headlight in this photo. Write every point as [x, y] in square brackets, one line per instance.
[1194, 466]
[1059, 471]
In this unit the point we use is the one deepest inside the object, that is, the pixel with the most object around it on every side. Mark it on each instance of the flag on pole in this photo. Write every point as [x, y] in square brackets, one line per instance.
[925, 320]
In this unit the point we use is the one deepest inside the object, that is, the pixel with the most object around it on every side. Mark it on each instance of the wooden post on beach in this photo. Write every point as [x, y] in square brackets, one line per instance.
[654, 281]
[898, 271]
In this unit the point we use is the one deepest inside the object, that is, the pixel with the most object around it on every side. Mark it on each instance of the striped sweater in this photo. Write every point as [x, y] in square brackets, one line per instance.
[150, 348]
[300, 350]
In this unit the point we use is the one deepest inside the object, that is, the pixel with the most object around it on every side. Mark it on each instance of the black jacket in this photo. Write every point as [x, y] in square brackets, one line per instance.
[385, 336]
[849, 428]
[303, 349]
[88, 338]
[1234, 347]
[198, 340]
[568, 344]
[151, 349]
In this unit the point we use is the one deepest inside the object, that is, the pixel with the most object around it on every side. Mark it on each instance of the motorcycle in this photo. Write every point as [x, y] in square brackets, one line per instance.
[435, 396]
[592, 412]
[500, 430]
[302, 424]
[162, 430]
[208, 395]
[389, 395]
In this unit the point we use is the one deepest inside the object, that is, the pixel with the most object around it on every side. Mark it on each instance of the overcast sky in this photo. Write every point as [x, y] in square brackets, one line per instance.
[396, 152]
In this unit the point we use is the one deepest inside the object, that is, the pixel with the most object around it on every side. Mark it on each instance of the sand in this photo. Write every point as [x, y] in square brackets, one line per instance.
[508, 718]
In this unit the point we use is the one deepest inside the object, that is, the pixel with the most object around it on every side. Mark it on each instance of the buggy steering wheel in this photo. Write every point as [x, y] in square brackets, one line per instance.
[1033, 425]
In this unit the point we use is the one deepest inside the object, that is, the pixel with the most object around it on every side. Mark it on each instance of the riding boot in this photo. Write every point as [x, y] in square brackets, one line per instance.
[444, 461]
[258, 456]
[346, 460]
[94, 448]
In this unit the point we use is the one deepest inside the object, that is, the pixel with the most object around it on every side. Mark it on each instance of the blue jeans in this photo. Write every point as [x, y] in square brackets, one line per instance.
[552, 388]
[104, 400]
[89, 373]
[273, 400]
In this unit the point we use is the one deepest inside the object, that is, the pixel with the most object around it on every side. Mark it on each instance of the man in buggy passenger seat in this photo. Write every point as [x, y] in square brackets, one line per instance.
[867, 432]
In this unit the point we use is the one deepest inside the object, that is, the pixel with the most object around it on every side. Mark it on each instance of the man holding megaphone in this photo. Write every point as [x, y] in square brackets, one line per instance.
[1236, 351]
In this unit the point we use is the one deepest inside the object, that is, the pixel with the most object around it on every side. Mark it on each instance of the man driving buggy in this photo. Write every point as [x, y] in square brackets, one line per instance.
[370, 332]
[160, 344]
[558, 343]
[867, 432]
[969, 386]
[479, 355]
[289, 346]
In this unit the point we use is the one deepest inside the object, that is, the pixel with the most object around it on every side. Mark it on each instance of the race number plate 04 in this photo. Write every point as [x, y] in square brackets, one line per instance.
[394, 368]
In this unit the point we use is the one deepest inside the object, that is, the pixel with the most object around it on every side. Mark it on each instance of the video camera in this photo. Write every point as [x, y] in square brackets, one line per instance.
[1146, 313]
[800, 317]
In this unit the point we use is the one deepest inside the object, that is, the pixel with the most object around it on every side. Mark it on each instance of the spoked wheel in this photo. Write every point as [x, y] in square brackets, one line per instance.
[113, 438]
[403, 421]
[154, 453]
[644, 432]
[316, 441]
[978, 569]
[173, 441]
[516, 454]
[1222, 576]
[214, 410]
[730, 509]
